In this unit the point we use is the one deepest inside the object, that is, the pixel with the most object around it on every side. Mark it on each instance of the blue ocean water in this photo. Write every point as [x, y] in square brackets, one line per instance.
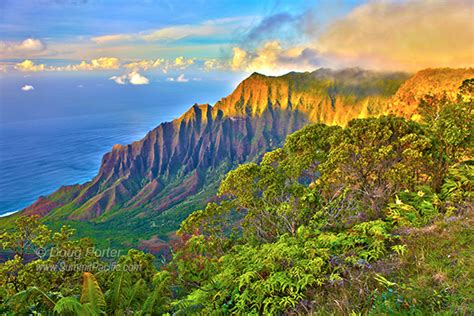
[57, 133]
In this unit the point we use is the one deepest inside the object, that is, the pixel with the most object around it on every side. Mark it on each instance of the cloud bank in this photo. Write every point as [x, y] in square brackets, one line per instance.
[381, 34]
[102, 63]
[112, 63]
[404, 35]
[385, 35]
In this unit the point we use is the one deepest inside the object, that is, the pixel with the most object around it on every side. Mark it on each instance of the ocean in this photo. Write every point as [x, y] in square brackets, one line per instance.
[57, 133]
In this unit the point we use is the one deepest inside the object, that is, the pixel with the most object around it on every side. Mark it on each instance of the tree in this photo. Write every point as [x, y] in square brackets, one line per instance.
[449, 125]
[372, 159]
[29, 235]
[276, 196]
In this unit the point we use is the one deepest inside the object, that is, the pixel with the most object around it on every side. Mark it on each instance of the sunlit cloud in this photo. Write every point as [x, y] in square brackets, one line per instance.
[29, 66]
[404, 35]
[114, 63]
[183, 62]
[103, 63]
[27, 47]
[273, 59]
[215, 64]
[239, 59]
[27, 88]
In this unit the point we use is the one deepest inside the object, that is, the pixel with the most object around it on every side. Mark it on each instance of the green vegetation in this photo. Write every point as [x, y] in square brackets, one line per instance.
[371, 219]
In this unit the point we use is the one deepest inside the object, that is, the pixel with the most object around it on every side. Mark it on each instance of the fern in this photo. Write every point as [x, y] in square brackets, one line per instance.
[29, 296]
[117, 295]
[137, 294]
[69, 306]
[159, 298]
[92, 297]
[400, 249]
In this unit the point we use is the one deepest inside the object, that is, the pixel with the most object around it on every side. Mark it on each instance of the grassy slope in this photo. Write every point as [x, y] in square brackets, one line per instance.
[437, 271]
[433, 277]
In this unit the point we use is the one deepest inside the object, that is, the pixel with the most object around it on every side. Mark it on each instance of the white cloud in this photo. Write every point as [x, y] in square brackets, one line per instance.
[136, 79]
[26, 48]
[27, 87]
[133, 78]
[119, 79]
[180, 78]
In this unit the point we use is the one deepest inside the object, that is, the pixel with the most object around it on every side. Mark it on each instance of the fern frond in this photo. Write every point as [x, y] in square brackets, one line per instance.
[69, 306]
[117, 296]
[138, 294]
[92, 294]
[28, 296]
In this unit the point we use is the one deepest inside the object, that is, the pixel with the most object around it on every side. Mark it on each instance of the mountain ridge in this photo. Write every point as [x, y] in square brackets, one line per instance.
[184, 157]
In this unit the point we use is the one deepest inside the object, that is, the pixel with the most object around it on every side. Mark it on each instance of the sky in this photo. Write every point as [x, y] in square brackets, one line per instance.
[128, 39]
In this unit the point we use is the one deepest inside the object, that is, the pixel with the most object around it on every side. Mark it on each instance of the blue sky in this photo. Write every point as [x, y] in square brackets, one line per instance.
[64, 19]
[68, 27]
[244, 36]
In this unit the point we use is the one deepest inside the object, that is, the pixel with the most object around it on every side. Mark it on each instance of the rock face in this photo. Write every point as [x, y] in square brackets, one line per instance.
[183, 158]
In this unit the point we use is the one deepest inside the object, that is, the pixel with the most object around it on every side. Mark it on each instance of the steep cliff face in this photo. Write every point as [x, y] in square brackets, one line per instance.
[180, 159]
